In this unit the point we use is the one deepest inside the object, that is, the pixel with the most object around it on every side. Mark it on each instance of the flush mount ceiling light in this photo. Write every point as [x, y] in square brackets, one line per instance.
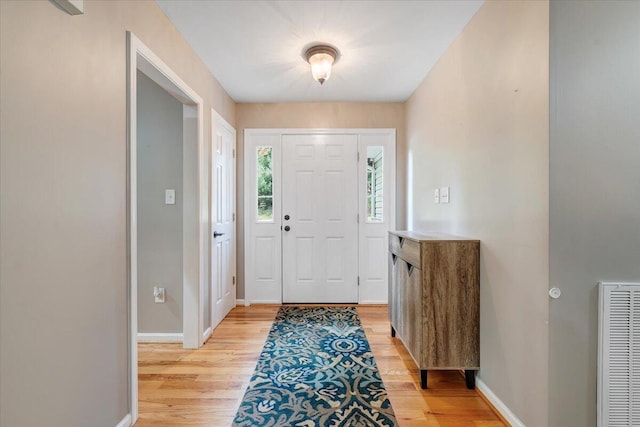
[321, 58]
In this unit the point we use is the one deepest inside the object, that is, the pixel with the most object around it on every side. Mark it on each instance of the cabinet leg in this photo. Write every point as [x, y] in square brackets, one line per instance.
[393, 332]
[470, 377]
[423, 379]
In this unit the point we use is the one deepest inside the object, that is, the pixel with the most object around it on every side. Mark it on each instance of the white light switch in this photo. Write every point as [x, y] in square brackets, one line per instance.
[436, 196]
[159, 295]
[169, 197]
[444, 195]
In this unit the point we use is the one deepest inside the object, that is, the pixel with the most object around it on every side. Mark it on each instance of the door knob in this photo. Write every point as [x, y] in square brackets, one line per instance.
[287, 228]
[216, 234]
[286, 217]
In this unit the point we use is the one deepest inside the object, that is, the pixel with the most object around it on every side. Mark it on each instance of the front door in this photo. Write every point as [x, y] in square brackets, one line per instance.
[223, 258]
[320, 218]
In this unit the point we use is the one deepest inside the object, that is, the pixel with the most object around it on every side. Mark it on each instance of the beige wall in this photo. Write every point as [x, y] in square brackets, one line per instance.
[63, 251]
[319, 115]
[479, 124]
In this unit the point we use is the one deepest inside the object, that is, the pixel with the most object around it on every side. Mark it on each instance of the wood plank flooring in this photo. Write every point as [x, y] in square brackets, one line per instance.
[204, 387]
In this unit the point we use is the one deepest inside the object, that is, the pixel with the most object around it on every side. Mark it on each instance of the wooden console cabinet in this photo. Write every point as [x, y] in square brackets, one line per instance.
[434, 300]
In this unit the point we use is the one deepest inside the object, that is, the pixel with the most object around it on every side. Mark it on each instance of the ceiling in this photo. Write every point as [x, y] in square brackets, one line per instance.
[254, 48]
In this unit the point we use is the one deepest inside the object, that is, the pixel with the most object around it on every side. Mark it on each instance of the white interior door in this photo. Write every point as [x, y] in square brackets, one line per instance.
[320, 218]
[223, 242]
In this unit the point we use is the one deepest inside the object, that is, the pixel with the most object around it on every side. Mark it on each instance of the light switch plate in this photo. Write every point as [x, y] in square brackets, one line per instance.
[436, 196]
[444, 195]
[159, 295]
[169, 197]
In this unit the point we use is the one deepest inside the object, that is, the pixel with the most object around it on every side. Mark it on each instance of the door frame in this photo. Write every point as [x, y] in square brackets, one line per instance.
[140, 57]
[249, 177]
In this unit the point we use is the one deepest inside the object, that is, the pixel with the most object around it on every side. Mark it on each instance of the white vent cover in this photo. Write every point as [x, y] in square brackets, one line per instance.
[619, 355]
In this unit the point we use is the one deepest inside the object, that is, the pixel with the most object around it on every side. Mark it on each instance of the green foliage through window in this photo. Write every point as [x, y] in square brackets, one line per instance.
[265, 183]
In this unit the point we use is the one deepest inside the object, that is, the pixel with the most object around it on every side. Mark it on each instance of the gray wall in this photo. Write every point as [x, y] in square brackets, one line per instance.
[63, 246]
[479, 124]
[159, 158]
[594, 187]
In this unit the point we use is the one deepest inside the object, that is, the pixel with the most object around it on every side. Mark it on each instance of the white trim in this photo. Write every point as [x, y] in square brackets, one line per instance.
[72, 7]
[125, 422]
[318, 131]
[140, 57]
[239, 302]
[159, 337]
[207, 334]
[247, 303]
[498, 404]
[373, 302]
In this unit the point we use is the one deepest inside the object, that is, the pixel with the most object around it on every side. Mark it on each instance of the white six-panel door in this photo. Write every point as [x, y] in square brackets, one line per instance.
[338, 188]
[223, 229]
[319, 218]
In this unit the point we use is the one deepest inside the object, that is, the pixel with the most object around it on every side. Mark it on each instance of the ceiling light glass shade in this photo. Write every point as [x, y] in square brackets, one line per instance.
[321, 59]
[321, 66]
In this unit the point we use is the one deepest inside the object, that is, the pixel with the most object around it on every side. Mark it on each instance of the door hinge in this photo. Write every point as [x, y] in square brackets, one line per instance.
[234, 280]
[233, 152]
[358, 280]
[358, 219]
[233, 216]
[358, 156]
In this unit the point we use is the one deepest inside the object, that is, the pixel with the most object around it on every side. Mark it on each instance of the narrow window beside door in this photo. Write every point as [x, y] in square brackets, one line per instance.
[375, 157]
[264, 202]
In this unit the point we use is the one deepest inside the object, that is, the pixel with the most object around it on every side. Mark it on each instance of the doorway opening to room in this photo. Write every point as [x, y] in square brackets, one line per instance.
[318, 206]
[168, 207]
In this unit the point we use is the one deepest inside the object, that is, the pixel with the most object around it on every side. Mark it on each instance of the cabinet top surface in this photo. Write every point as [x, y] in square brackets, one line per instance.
[431, 236]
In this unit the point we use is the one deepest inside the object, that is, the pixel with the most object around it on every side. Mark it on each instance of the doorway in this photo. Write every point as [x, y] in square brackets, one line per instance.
[194, 202]
[160, 212]
[318, 207]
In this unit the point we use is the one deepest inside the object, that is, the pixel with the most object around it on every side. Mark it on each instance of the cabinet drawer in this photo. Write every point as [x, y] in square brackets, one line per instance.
[406, 249]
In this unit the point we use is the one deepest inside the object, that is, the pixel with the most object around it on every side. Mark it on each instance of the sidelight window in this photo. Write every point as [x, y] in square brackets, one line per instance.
[264, 202]
[375, 184]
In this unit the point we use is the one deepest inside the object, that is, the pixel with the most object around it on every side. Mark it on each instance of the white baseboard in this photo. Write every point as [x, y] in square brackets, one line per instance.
[247, 303]
[206, 334]
[125, 422]
[159, 337]
[239, 302]
[498, 404]
[373, 302]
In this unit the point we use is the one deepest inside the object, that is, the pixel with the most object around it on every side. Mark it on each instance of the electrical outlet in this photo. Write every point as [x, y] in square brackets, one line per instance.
[159, 295]
[436, 196]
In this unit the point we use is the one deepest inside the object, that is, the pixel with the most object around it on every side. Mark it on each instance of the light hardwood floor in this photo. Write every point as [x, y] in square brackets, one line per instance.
[204, 387]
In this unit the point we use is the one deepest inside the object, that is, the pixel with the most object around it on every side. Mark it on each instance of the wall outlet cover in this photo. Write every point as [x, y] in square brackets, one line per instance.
[436, 196]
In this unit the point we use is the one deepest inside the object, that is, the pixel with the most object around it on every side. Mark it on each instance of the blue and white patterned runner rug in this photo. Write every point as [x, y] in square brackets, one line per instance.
[316, 370]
